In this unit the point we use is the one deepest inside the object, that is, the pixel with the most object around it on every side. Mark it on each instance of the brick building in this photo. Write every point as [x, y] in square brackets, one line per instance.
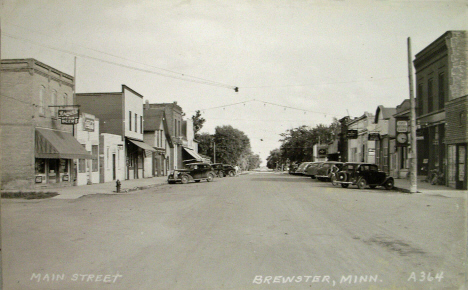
[37, 150]
[121, 113]
[441, 92]
[174, 118]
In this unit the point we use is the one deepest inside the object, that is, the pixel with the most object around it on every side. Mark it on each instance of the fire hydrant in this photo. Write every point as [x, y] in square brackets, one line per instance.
[117, 185]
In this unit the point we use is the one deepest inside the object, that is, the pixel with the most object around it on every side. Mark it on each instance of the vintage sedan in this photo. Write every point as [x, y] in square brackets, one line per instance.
[218, 168]
[325, 170]
[311, 170]
[302, 167]
[362, 175]
[192, 172]
[229, 170]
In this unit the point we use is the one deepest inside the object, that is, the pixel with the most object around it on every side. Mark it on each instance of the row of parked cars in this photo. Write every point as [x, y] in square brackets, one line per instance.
[198, 171]
[345, 173]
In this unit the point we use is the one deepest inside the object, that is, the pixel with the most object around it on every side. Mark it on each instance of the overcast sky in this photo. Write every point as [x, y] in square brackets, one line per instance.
[317, 59]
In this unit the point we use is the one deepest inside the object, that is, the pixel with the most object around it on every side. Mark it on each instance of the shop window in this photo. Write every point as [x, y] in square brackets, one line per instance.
[82, 166]
[64, 165]
[95, 162]
[40, 166]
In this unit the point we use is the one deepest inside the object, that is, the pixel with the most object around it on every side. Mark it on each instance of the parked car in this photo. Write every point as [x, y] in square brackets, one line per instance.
[218, 168]
[292, 169]
[302, 167]
[229, 170]
[192, 172]
[326, 170]
[362, 175]
[311, 170]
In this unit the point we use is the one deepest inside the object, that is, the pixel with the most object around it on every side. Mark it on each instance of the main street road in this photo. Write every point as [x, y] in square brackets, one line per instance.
[257, 231]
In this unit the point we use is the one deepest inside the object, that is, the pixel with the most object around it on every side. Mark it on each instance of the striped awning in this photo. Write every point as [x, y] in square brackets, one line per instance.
[54, 144]
[193, 153]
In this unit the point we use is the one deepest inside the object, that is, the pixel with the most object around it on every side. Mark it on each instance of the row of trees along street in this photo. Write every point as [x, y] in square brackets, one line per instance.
[297, 143]
[230, 145]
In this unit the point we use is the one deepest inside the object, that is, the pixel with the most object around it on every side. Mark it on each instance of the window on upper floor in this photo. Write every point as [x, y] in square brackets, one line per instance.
[41, 105]
[53, 104]
[141, 124]
[65, 99]
[136, 120]
[419, 97]
[130, 120]
[441, 84]
[430, 96]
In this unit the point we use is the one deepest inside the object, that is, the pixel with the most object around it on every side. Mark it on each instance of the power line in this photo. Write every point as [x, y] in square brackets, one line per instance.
[182, 76]
[269, 103]
[313, 85]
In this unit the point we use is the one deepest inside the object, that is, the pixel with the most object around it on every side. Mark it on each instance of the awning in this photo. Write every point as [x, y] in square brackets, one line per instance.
[55, 144]
[143, 145]
[193, 154]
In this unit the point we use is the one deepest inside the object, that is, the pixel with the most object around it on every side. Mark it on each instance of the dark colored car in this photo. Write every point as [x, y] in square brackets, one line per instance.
[311, 170]
[362, 175]
[292, 169]
[229, 170]
[326, 170]
[193, 171]
[218, 168]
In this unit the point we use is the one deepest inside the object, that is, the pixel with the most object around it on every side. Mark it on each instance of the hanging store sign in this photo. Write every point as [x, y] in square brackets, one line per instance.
[352, 134]
[88, 125]
[322, 152]
[69, 116]
[402, 126]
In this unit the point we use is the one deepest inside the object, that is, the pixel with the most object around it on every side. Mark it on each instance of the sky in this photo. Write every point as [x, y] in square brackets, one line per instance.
[295, 63]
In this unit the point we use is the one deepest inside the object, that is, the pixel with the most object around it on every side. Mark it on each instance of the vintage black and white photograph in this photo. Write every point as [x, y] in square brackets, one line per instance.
[216, 144]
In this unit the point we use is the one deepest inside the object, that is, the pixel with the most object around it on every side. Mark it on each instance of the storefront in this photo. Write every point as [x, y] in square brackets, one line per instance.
[136, 153]
[54, 154]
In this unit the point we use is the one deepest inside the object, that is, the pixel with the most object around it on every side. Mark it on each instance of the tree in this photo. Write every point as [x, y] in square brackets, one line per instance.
[297, 144]
[274, 158]
[205, 142]
[198, 122]
[231, 145]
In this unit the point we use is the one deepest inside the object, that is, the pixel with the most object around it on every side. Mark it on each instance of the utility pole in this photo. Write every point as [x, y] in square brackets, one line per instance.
[412, 152]
[214, 151]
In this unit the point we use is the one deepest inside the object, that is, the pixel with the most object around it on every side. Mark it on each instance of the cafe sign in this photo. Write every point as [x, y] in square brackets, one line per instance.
[69, 116]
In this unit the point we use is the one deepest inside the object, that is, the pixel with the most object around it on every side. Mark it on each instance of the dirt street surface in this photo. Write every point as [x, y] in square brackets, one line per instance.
[257, 231]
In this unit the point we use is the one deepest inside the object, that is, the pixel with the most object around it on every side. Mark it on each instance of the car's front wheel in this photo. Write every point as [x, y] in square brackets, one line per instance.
[389, 184]
[362, 183]
[210, 177]
[231, 173]
[184, 179]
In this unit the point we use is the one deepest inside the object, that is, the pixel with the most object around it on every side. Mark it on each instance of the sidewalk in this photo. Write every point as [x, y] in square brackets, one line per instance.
[403, 185]
[73, 192]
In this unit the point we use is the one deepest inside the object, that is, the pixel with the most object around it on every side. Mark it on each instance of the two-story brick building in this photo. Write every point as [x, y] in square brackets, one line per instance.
[37, 150]
[121, 113]
[441, 94]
